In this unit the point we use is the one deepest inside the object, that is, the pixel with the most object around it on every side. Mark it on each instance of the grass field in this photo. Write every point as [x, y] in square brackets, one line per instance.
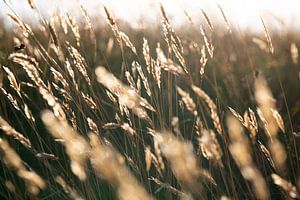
[103, 111]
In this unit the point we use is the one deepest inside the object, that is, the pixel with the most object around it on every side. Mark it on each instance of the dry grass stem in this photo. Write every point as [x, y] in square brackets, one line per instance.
[208, 43]
[210, 146]
[147, 56]
[203, 60]
[33, 182]
[126, 96]
[211, 105]
[267, 35]
[30, 65]
[110, 165]
[207, 20]
[225, 18]
[241, 152]
[143, 77]
[74, 27]
[182, 160]
[188, 101]
[266, 104]
[76, 146]
[288, 187]
[10, 131]
[173, 41]
[13, 81]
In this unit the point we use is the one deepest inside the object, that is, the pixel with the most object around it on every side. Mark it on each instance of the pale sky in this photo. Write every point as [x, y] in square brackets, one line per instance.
[242, 13]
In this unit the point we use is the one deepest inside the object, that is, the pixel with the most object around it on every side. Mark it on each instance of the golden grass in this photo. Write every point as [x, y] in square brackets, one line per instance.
[149, 118]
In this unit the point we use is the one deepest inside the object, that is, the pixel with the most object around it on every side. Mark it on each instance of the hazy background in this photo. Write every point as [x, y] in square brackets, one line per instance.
[241, 13]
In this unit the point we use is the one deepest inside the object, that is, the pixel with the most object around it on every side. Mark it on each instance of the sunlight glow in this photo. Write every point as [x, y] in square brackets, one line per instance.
[244, 14]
